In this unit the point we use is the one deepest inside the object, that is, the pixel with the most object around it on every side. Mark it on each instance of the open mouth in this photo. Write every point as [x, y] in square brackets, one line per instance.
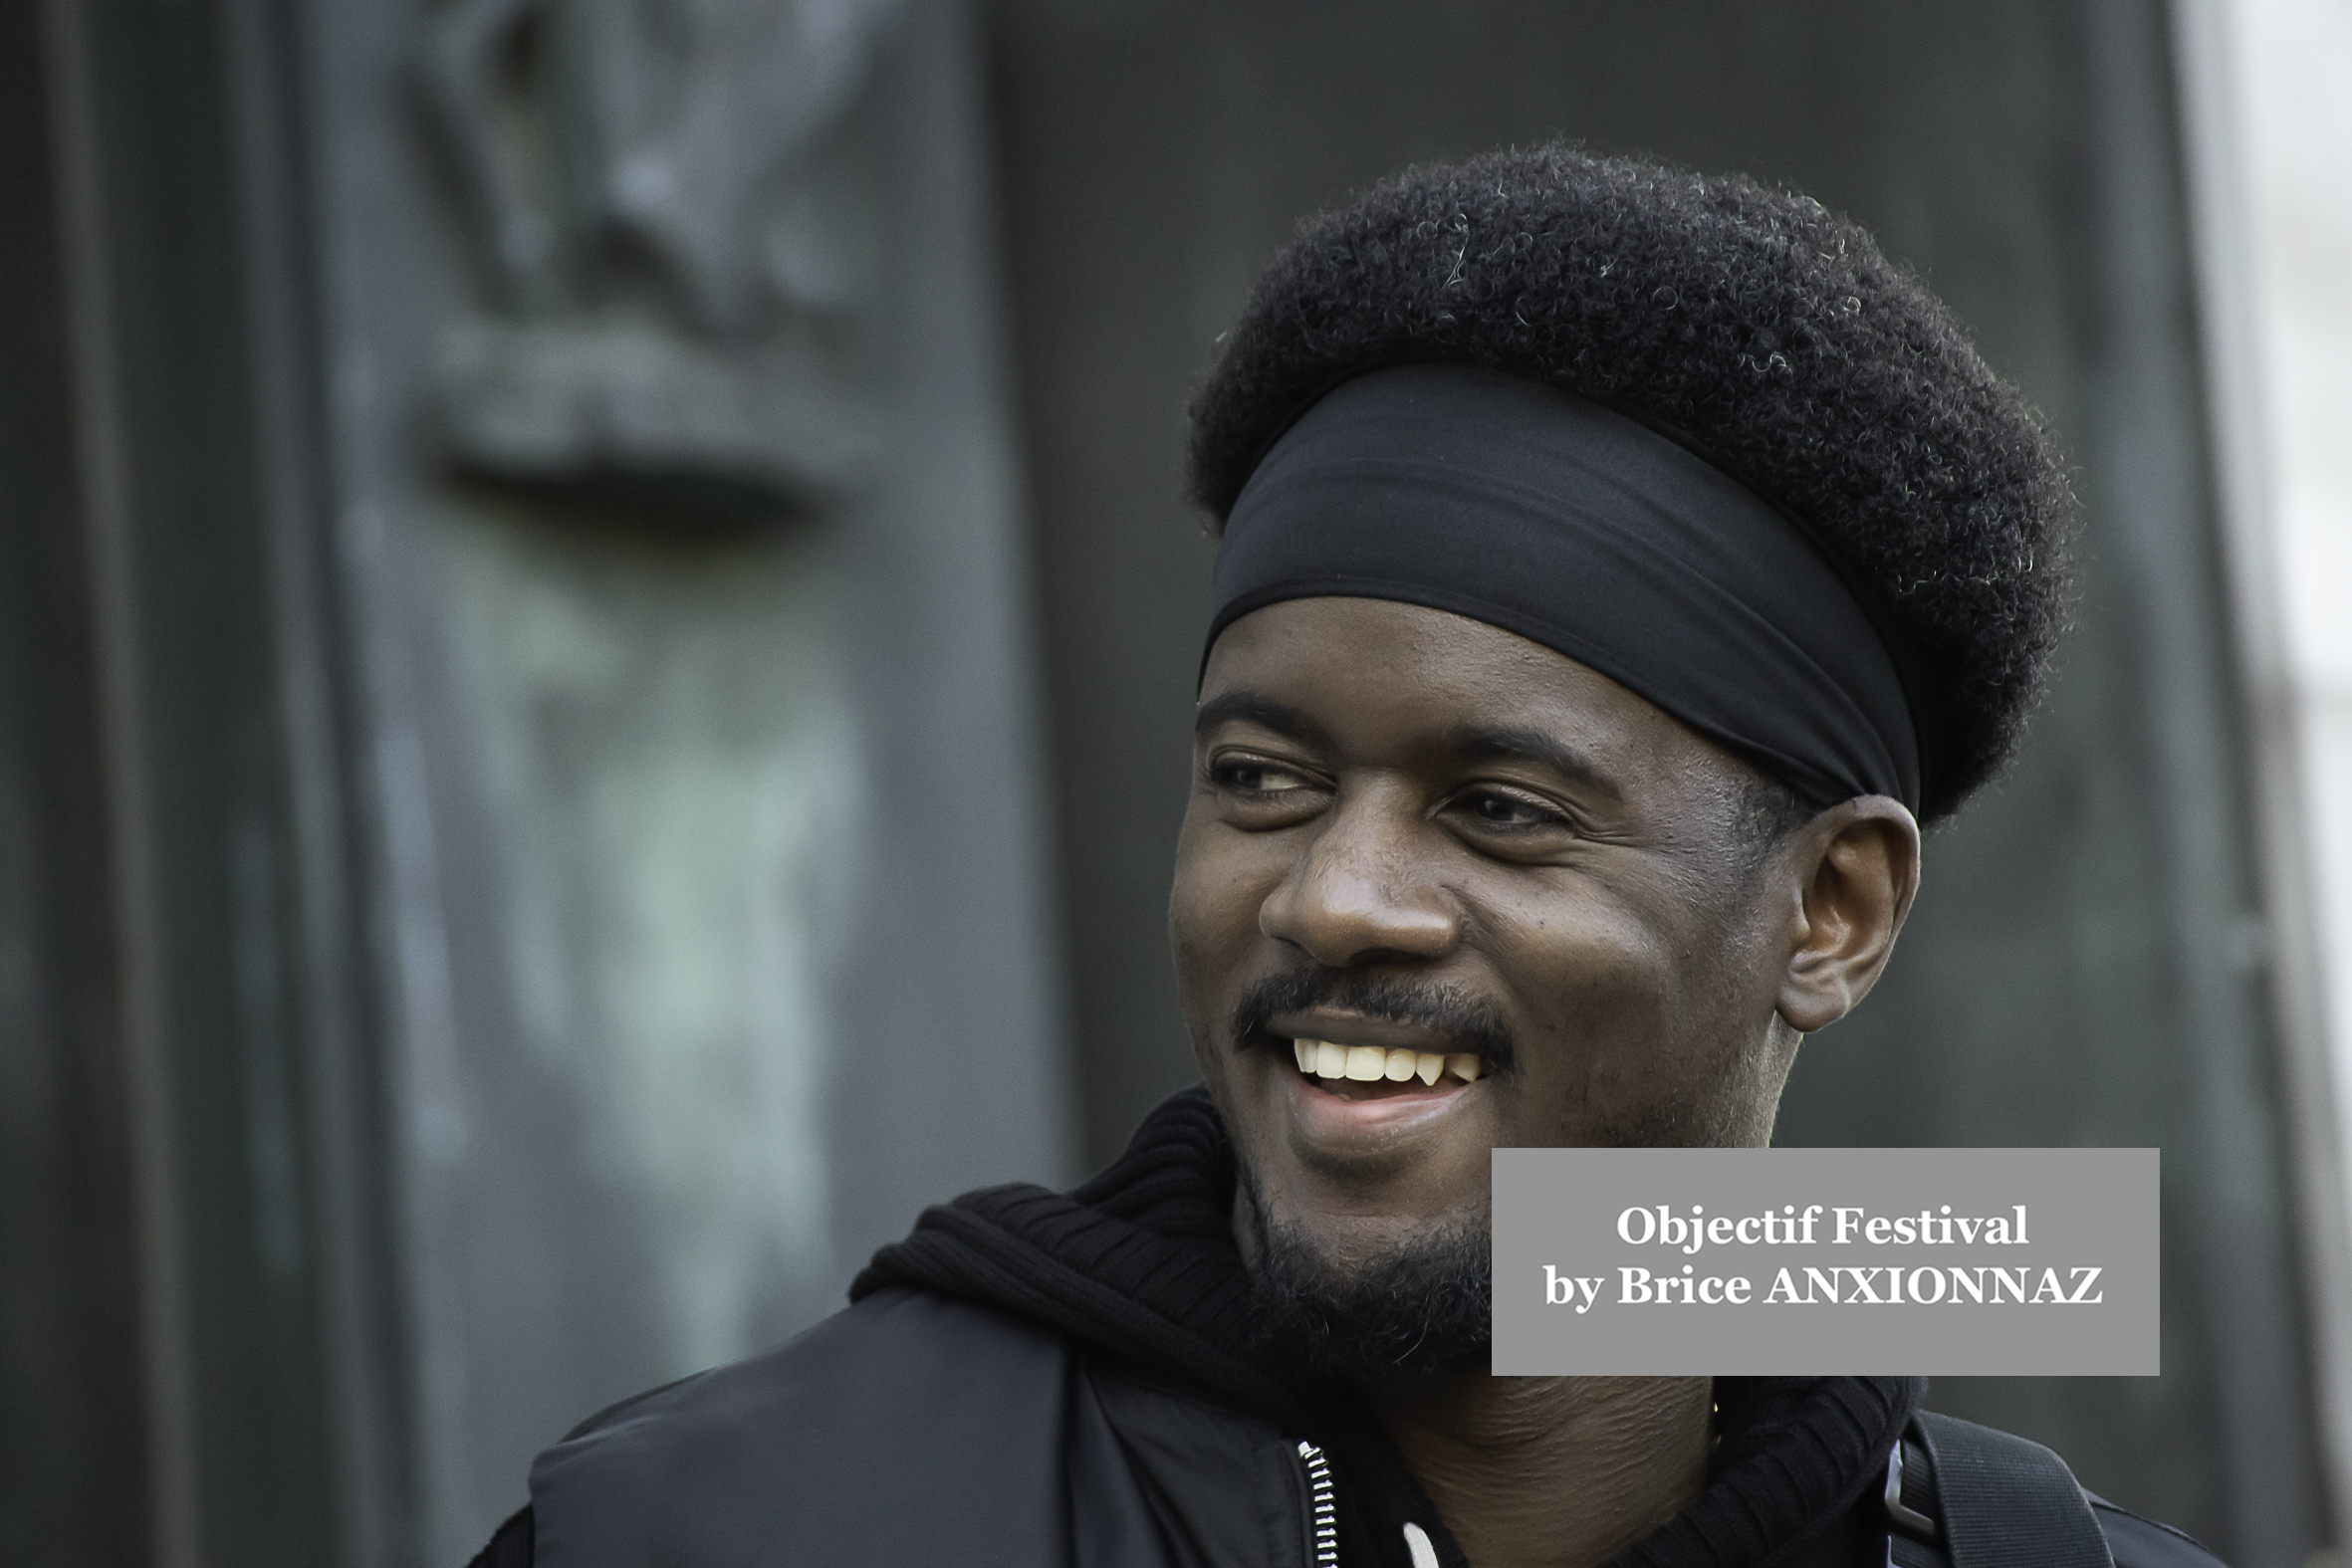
[1358, 1072]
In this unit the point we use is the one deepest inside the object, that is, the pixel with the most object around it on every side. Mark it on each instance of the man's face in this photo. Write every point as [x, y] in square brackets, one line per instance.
[1416, 832]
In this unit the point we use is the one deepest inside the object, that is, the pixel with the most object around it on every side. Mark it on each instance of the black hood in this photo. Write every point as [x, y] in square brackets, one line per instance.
[1139, 1263]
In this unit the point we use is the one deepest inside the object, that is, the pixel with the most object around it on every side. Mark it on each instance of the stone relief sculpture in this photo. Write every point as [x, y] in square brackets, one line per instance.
[673, 209]
[672, 240]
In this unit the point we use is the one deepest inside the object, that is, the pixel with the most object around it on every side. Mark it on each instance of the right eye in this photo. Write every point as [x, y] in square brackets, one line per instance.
[1257, 793]
[1245, 777]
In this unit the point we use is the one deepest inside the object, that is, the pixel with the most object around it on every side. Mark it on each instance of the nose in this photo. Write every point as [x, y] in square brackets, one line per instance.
[1364, 890]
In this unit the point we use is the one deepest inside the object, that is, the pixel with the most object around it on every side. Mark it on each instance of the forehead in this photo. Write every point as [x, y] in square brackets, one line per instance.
[1393, 681]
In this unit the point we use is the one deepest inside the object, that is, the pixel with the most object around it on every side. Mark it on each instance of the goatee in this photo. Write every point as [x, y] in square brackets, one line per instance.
[1418, 1307]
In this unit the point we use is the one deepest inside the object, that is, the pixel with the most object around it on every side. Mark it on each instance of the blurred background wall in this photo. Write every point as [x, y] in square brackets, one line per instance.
[527, 858]
[596, 627]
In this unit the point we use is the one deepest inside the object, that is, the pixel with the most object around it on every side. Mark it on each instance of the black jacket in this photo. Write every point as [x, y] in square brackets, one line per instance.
[1043, 1380]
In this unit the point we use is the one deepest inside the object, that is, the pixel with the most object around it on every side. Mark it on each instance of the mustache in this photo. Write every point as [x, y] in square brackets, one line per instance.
[1472, 1021]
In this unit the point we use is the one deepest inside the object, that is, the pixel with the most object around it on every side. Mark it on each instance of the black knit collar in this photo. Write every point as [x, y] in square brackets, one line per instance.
[1139, 1263]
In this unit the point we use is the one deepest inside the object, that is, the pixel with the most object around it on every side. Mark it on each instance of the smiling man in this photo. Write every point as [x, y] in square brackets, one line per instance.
[1618, 565]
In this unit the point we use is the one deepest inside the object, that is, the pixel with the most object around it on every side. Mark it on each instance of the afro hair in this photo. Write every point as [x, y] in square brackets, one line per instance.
[1752, 323]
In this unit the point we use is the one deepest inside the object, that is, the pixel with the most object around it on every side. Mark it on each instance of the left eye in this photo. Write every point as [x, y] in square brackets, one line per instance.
[1494, 808]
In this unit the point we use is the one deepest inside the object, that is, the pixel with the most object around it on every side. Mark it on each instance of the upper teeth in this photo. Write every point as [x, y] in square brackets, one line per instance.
[1322, 1060]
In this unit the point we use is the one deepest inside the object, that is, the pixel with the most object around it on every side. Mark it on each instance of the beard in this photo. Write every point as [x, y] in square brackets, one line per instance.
[1421, 1306]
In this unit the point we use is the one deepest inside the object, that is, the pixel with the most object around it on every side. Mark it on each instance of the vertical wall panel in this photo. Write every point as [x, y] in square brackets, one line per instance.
[73, 1481]
[675, 498]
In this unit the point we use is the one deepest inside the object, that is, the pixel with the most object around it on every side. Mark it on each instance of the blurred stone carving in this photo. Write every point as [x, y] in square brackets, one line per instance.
[672, 234]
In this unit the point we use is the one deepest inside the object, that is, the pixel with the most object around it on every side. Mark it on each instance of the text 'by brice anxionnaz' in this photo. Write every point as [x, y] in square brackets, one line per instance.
[1920, 1284]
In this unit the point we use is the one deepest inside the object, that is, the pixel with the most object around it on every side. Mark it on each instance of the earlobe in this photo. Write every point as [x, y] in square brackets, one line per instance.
[1860, 869]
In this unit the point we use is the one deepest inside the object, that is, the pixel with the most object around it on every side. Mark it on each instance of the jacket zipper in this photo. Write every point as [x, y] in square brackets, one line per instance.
[1325, 1507]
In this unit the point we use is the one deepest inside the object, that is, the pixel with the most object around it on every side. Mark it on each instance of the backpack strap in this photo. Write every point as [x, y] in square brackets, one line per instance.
[1990, 1499]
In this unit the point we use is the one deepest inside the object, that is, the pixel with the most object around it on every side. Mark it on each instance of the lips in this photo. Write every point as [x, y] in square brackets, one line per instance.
[1368, 1085]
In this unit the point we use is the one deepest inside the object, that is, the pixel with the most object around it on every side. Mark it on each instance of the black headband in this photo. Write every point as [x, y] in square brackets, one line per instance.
[1552, 516]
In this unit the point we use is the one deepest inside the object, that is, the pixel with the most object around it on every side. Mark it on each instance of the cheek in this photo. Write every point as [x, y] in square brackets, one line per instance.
[1593, 982]
[1600, 986]
[1212, 912]
[1636, 1018]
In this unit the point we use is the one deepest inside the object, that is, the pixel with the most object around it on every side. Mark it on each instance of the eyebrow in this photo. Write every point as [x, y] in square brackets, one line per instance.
[1544, 751]
[1249, 707]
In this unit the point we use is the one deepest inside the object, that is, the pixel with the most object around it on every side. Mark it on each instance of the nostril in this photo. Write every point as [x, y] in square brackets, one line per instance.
[1355, 924]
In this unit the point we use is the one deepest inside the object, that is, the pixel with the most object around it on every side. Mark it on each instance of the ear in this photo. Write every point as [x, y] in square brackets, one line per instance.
[1857, 866]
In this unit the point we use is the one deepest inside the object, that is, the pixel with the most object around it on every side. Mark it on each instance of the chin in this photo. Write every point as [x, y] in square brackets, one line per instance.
[1363, 1296]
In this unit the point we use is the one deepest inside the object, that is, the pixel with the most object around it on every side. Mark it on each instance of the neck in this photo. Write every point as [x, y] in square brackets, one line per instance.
[1550, 1472]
